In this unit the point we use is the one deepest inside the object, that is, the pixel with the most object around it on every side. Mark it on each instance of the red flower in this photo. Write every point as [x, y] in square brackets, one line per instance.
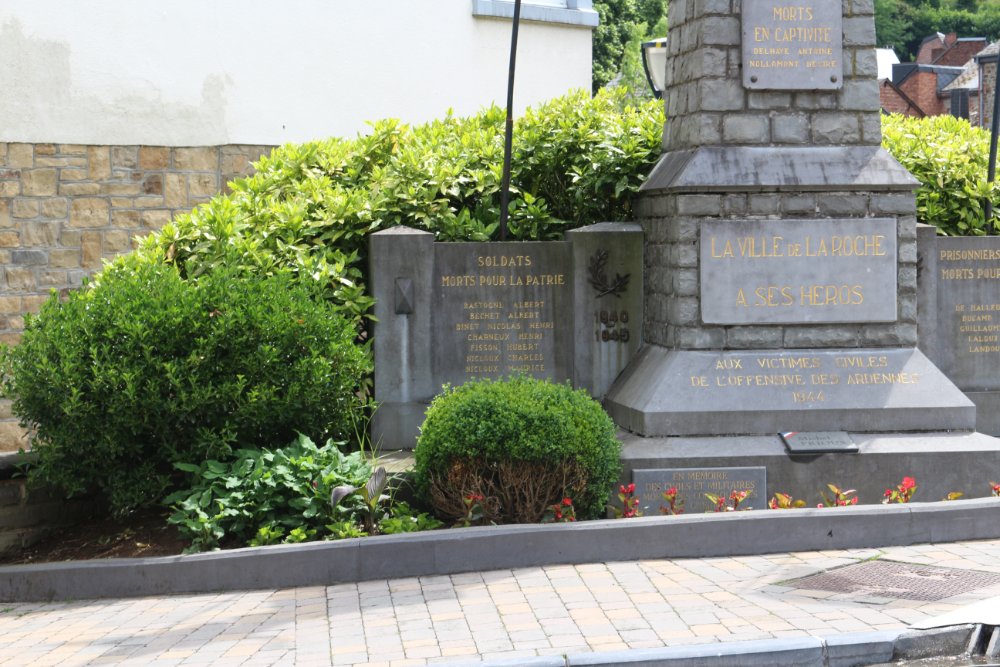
[888, 493]
[908, 483]
[567, 502]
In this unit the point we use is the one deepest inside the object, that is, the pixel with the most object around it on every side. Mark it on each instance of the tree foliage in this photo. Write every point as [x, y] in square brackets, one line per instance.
[624, 25]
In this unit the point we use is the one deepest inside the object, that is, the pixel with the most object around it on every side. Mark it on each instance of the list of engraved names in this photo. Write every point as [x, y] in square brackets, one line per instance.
[975, 318]
[498, 313]
[792, 46]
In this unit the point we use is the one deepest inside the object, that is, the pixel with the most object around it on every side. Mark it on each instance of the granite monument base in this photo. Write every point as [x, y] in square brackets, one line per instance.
[941, 463]
[987, 411]
[701, 393]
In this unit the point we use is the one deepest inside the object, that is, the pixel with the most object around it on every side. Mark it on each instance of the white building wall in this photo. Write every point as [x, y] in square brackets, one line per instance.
[212, 72]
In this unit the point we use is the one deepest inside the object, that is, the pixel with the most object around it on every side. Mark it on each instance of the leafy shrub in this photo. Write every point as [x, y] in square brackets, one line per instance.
[266, 496]
[143, 369]
[521, 444]
[309, 208]
[949, 157]
[405, 519]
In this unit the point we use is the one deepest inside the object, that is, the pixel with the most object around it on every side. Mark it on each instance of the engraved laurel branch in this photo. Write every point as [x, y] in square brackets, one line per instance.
[599, 276]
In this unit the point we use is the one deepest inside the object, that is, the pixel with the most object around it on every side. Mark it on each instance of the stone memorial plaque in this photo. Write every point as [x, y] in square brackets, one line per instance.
[798, 271]
[818, 442]
[793, 46]
[859, 390]
[968, 311]
[502, 309]
[693, 483]
[802, 378]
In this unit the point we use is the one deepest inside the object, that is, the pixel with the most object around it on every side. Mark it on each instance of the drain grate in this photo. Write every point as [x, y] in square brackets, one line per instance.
[891, 579]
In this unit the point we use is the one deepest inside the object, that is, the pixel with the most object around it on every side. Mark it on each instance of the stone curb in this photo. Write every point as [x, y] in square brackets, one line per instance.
[506, 547]
[846, 650]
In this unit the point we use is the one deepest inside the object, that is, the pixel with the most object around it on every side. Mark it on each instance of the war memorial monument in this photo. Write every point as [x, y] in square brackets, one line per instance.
[769, 320]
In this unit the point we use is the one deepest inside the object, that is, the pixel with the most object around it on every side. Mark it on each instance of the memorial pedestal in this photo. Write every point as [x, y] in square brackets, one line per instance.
[450, 312]
[941, 463]
[700, 393]
[959, 319]
[781, 268]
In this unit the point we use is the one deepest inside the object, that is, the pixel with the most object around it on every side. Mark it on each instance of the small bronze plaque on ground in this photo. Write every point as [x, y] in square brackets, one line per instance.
[693, 483]
[818, 442]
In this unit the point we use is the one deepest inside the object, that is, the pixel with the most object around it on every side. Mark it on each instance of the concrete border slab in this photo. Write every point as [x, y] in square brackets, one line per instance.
[505, 547]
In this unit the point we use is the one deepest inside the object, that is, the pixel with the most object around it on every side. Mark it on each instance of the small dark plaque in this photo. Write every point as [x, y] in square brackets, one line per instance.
[818, 442]
[793, 46]
[693, 483]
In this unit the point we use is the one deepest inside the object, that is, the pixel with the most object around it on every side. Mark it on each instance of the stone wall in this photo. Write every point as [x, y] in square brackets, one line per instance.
[671, 223]
[64, 209]
[988, 77]
[733, 152]
[708, 105]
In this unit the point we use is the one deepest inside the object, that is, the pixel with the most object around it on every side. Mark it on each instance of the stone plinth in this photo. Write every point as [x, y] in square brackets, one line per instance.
[781, 242]
[450, 312]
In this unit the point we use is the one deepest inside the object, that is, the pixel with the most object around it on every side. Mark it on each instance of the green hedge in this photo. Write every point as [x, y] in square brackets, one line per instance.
[949, 157]
[143, 370]
[309, 208]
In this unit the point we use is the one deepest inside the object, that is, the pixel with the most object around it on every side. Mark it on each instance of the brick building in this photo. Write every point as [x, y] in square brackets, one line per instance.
[943, 79]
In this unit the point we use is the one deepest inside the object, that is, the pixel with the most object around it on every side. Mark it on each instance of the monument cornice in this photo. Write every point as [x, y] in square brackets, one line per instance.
[779, 169]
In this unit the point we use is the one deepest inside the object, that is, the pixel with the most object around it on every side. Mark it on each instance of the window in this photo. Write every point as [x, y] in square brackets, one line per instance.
[960, 103]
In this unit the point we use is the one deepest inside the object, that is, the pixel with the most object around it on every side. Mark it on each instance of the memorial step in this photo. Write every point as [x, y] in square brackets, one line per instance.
[690, 393]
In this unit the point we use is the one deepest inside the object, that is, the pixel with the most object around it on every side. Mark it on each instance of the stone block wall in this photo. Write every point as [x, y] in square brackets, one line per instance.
[64, 209]
[988, 77]
[672, 223]
[708, 105]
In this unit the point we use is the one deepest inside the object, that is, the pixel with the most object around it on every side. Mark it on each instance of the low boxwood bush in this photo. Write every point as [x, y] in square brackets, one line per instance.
[518, 446]
[949, 157]
[142, 369]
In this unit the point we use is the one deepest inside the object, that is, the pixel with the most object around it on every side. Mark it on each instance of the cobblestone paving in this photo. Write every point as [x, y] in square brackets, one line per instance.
[466, 618]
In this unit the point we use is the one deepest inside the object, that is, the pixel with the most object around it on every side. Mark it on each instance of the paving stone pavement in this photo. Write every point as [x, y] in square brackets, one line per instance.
[466, 618]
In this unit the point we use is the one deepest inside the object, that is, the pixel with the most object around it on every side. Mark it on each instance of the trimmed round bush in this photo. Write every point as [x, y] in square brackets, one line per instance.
[522, 444]
[140, 370]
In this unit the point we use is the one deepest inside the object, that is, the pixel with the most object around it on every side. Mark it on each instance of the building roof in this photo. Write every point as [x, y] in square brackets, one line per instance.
[990, 51]
[967, 80]
[945, 74]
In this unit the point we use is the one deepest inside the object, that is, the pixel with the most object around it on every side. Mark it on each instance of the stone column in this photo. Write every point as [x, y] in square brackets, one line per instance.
[771, 158]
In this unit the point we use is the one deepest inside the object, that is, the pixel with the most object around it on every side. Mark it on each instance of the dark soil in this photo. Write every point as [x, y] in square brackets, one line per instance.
[139, 535]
